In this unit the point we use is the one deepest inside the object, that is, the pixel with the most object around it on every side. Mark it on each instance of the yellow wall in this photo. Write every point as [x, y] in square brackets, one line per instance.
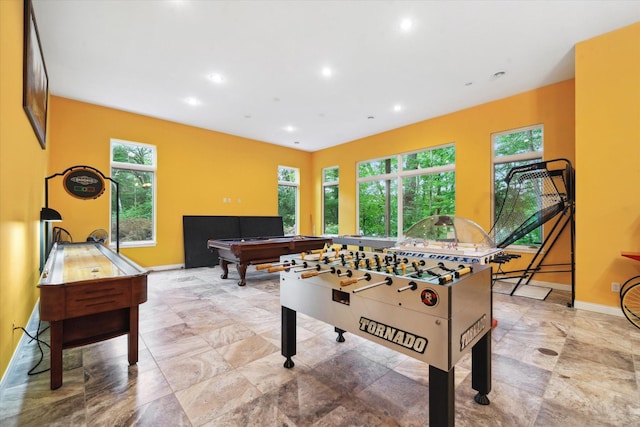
[593, 121]
[608, 162]
[471, 131]
[197, 169]
[22, 167]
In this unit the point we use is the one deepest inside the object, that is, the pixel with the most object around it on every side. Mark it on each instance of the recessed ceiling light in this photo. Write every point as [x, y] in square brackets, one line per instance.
[499, 74]
[192, 101]
[289, 128]
[406, 24]
[327, 72]
[397, 107]
[216, 77]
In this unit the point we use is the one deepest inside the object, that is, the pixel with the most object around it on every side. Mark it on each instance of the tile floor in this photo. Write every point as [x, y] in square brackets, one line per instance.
[210, 356]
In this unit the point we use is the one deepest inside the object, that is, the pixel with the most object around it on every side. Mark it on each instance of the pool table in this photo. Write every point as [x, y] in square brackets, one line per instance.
[260, 250]
[89, 293]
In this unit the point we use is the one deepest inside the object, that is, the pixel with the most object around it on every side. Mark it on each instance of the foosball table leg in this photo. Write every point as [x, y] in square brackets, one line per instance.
[288, 336]
[481, 369]
[441, 397]
[340, 332]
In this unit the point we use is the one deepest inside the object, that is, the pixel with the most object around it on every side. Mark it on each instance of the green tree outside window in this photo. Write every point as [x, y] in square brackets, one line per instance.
[133, 168]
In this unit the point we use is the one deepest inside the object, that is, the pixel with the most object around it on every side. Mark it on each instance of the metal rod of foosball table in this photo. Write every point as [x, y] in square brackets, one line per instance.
[413, 273]
[366, 262]
[347, 273]
[283, 267]
[412, 285]
[338, 260]
[440, 265]
[429, 270]
[300, 270]
[316, 273]
[403, 269]
[386, 281]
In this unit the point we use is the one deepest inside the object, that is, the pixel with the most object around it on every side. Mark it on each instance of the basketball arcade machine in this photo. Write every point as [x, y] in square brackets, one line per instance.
[550, 186]
[433, 307]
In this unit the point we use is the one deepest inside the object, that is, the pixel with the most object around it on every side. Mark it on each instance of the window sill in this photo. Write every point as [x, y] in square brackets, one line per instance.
[138, 244]
[522, 249]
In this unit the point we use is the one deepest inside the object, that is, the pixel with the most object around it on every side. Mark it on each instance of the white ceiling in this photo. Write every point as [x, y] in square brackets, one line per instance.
[148, 56]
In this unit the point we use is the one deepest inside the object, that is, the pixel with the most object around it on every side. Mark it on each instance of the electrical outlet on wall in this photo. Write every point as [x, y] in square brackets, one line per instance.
[615, 287]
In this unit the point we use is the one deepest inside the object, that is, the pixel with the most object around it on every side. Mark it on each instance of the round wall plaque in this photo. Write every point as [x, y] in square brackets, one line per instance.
[84, 183]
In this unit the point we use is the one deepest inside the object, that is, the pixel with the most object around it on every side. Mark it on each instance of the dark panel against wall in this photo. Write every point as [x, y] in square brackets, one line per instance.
[198, 229]
[261, 226]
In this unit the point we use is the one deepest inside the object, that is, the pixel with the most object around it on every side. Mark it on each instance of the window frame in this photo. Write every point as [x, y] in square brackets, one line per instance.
[153, 168]
[530, 156]
[326, 184]
[398, 176]
[296, 185]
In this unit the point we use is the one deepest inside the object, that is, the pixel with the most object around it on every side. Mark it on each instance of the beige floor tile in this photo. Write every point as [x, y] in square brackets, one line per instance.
[210, 355]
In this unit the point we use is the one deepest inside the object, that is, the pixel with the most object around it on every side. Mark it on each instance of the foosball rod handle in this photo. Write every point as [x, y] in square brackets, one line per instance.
[266, 266]
[462, 271]
[316, 273]
[278, 268]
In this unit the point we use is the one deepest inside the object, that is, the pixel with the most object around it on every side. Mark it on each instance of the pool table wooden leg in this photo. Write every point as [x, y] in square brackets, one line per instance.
[224, 264]
[242, 269]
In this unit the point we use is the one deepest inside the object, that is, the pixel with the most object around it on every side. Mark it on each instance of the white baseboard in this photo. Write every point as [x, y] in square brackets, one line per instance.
[24, 340]
[581, 305]
[598, 308]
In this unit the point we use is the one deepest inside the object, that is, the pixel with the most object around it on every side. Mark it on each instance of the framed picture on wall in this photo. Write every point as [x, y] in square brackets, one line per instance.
[35, 95]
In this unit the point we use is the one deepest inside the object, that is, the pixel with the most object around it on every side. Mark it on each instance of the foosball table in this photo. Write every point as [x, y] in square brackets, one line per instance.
[435, 311]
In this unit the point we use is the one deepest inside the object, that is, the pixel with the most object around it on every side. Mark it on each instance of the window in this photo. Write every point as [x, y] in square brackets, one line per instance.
[133, 167]
[330, 200]
[288, 183]
[396, 192]
[428, 184]
[511, 149]
[378, 197]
